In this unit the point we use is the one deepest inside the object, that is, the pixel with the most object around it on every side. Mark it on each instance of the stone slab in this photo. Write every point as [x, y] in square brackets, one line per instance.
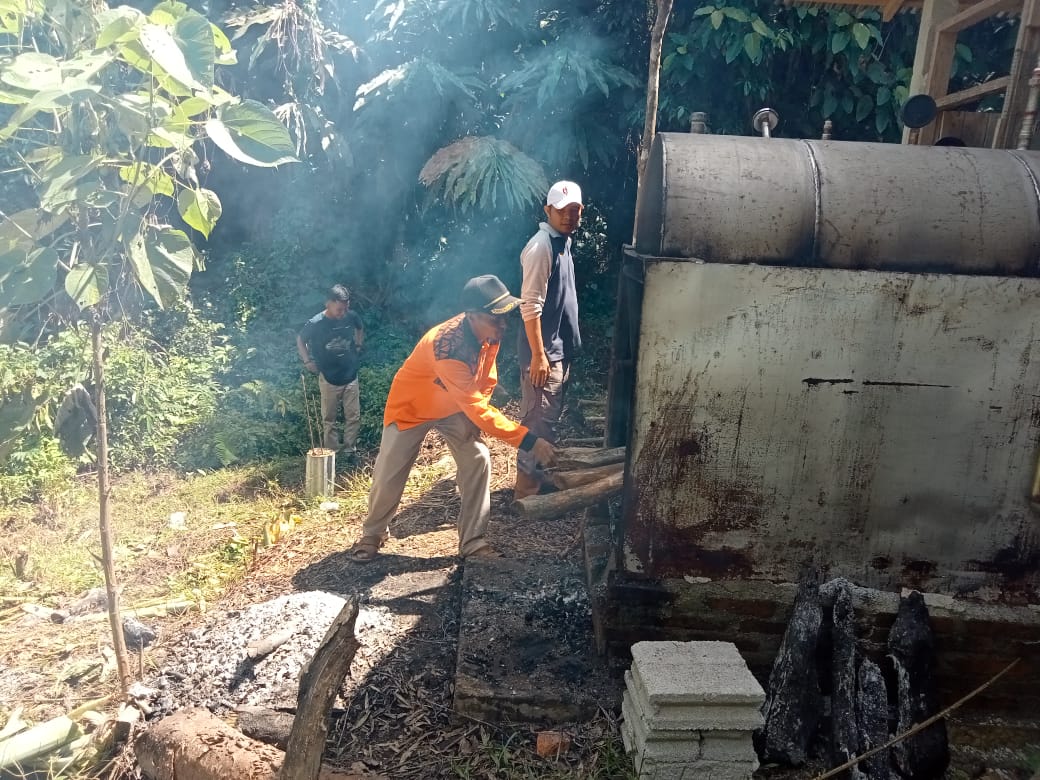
[693, 717]
[683, 673]
[526, 651]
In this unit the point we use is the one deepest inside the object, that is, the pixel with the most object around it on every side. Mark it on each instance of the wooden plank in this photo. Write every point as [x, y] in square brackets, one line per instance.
[970, 95]
[974, 14]
[933, 13]
[890, 9]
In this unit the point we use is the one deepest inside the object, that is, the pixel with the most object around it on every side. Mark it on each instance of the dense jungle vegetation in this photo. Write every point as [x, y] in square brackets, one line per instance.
[419, 139]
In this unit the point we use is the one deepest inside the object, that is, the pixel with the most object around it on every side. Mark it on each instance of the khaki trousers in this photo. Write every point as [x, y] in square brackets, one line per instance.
[397, 453]
[332, 398]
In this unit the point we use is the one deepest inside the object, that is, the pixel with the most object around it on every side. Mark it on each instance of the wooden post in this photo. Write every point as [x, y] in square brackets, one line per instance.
[932, 13]
[320, 478]
[554, 505]
[1027, 47]
[319, 683]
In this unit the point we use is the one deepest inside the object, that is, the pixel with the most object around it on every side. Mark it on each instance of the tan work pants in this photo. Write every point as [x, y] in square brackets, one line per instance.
[332, 398]
[397, 453]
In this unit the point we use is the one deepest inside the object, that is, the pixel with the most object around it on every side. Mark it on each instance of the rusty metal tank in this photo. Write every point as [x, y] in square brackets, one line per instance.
[846, 205]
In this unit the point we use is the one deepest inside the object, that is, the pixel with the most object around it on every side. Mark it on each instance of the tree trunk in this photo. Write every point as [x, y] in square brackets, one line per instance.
[653, 81]
[104, 491]
[555, 504]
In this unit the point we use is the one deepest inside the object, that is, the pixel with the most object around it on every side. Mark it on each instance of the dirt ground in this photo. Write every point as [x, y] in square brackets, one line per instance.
[395, 714]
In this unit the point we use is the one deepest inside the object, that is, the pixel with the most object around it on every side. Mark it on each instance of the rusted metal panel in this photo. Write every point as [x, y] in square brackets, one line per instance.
[730, 199]
[884, 426]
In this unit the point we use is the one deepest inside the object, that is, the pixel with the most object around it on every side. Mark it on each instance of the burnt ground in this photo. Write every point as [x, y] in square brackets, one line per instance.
[526, 618]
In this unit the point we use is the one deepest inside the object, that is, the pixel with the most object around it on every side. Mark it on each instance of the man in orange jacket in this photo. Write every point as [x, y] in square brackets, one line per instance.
[446, 383]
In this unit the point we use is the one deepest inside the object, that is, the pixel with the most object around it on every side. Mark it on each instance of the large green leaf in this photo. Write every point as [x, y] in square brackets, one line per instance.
[59, 177]
[251, 133]
[47, 100]
[164, 50]
[162, 262]
[32, 70]
[194, 35]
[86, 284]
[23, 229]
[26, 279]
[201, 209]
[118, 25]
[151, 178]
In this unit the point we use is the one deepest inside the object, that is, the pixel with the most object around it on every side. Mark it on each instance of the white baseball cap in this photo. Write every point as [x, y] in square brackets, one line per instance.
[563, 193]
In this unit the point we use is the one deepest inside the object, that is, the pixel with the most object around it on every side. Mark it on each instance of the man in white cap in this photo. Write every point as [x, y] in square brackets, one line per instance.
[550, 338]
[446, 383]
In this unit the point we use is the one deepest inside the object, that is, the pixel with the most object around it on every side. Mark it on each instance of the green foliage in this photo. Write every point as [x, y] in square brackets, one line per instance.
[158, 388]
[112, 108]
[474, 172]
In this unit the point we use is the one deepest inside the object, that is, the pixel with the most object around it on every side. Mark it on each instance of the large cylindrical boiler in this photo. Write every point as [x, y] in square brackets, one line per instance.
[843, 205]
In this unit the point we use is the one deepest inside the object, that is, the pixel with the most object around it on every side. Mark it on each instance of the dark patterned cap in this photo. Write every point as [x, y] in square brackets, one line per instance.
[487, 294]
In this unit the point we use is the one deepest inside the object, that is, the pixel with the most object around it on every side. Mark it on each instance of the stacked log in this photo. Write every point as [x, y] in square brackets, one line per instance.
[583, 476]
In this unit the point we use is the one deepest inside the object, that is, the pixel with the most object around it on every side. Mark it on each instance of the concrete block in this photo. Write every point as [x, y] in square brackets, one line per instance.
[648, 746]
[649, 769]
[693, 717]
[683, 673]
[728, 746]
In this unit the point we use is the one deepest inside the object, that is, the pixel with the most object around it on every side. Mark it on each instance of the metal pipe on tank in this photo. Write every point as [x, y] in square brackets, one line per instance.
[765, 121]
[730, 199]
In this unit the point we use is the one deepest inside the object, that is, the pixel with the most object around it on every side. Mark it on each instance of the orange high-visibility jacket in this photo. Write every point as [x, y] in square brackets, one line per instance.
[449, 372]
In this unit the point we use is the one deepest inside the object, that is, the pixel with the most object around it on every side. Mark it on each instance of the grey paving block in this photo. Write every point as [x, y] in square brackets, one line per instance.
[728, 746]
[649, 769]
[693, 717]
[683, 673]
[670, 750]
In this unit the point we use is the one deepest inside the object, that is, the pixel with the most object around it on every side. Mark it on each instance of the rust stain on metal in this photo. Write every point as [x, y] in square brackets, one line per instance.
[1015, 563]
[678, 458]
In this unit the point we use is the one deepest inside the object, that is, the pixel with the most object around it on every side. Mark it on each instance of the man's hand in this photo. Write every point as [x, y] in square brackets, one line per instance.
[544, 453]
[539, 369]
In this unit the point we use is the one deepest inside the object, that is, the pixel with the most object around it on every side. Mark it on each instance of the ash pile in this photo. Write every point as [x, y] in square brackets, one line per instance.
[247, 657]
[828, 699]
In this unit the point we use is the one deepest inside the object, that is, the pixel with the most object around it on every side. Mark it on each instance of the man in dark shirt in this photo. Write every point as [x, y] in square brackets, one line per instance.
[329, 346]
[550, 338]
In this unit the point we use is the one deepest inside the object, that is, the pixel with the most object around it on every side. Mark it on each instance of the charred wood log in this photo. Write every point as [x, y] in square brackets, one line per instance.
[845, 739]
[319, 683]
[911, 645]
[560, 503]
[872, 721]
[793, 703]
[269, 726]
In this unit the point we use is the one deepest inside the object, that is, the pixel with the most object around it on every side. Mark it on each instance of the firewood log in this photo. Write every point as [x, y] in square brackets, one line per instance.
[556, 504]
[586, 457]
[194, 744]
[565, 480]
